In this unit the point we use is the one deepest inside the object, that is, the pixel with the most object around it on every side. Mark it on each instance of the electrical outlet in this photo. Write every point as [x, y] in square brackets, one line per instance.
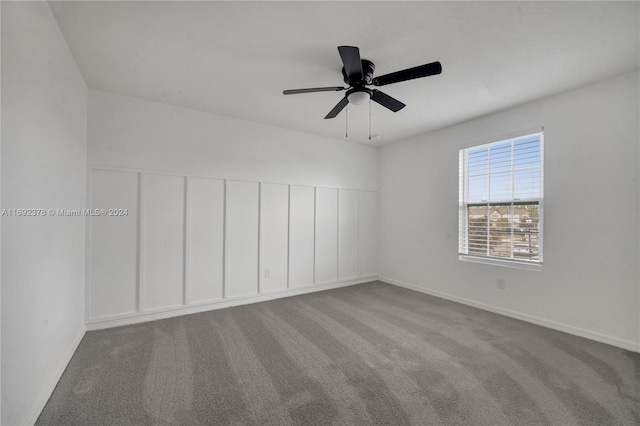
[267, 273]
[500, 283]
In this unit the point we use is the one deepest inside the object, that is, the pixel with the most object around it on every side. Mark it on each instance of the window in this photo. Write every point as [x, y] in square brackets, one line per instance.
[501, 200]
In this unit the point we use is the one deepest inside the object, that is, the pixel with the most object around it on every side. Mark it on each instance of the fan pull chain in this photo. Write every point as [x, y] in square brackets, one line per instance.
[346, 122]
[369, 118]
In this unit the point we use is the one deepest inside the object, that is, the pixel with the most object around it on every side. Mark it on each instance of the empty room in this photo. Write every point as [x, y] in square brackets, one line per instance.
[323, 213]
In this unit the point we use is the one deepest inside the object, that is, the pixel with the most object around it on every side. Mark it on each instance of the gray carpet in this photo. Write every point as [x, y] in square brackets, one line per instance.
[366, 354]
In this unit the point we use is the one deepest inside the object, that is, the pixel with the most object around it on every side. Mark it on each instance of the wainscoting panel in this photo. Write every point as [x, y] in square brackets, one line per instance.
[193, 243]
[348, 234]
[113, 268]
[206, 240]
[163, 241]
[368, 225]
[274, 244]
[326, 235]
[301, 235]
[241, 251]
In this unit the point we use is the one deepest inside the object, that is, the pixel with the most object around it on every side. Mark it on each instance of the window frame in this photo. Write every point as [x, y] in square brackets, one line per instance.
[464, 204]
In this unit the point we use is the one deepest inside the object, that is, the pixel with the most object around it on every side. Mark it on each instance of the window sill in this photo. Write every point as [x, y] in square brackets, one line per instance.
[502, 262]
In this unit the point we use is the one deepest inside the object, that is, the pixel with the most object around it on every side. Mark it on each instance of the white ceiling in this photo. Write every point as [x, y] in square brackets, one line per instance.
[235, 58]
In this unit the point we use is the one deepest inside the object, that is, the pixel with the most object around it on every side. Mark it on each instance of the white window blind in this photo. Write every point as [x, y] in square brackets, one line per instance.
[501, 200]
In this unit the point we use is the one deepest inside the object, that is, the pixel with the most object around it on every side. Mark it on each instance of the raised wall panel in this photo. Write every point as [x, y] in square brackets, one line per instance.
[163, 241]
[348, 234]
[274, 226]
[197, 240]
[326, 266]
[241, 255]
[368, 233]
[114, 244]
[301, 235]
[206, 239]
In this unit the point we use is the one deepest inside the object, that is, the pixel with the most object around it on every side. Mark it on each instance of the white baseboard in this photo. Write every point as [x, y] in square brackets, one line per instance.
[51, 384]
[138, 317]
[593, 335]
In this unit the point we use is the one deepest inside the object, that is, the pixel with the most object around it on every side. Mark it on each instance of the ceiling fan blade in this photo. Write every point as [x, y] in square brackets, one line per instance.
[350, 56]
[313, 90]
[386, 101]
[409, 74]
[336, 109]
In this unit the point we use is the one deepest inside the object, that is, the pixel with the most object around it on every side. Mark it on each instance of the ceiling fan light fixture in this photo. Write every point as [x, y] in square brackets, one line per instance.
[358, 98]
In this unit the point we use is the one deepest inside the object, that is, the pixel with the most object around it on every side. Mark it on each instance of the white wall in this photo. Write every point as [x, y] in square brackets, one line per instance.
[590, 279]
[220, 211]
[44, 107]
[139, 134]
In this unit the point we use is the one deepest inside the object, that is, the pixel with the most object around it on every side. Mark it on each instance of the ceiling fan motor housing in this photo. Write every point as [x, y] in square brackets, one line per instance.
[368, 68]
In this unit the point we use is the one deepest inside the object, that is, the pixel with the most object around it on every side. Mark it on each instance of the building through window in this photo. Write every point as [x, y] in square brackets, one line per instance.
[501, 201]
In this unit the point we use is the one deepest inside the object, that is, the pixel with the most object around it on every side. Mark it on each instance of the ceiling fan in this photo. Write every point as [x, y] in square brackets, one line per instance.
[358, 73]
